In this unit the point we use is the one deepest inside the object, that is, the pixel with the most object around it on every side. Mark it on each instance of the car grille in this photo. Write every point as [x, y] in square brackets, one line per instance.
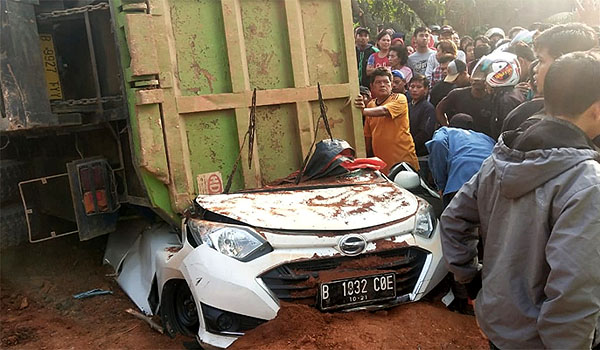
[299, 281]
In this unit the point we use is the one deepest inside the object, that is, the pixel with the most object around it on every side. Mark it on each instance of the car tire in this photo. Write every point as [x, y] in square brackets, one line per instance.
[13, 225]
[11, 173]
[178, 310]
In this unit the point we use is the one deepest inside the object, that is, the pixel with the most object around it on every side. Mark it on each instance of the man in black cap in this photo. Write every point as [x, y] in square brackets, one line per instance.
[363, 51]
[457, 77]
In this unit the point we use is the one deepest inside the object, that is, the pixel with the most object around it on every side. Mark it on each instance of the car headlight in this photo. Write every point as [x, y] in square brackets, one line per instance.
[425, 219]
[239, 242]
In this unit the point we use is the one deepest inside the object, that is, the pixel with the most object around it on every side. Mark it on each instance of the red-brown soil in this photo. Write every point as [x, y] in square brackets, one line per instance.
[421, 325]
[38, 311]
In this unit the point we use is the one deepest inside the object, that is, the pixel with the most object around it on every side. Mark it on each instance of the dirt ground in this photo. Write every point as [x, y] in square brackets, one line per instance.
[38, 311]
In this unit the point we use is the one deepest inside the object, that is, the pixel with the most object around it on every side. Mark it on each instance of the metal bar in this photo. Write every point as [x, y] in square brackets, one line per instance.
[90, 40]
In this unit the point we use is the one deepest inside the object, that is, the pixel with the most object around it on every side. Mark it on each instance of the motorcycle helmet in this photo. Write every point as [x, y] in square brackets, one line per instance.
[495, 31]
[525, 36]
[498, 69]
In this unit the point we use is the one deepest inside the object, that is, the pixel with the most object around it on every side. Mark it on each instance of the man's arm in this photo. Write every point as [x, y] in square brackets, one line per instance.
[380, 111]
[440, 111]
[569, 314]
[459, 239]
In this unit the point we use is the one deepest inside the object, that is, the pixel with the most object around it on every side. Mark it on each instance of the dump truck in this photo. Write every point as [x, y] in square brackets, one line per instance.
[146, 103]
[191, 110]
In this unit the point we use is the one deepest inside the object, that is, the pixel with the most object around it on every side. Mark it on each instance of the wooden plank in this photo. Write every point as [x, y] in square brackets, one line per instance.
[353, 86]
[240, 83]
[300, 72]
[203, 103]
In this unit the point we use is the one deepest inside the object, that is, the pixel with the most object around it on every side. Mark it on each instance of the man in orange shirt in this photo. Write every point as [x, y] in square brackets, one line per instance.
[387, 128]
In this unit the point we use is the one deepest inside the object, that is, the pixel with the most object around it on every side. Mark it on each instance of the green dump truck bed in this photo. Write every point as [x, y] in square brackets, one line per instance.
[190, 67]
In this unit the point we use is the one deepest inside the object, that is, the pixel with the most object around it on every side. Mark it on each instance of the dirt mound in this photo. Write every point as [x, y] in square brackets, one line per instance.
[421, 325]
[38, 310]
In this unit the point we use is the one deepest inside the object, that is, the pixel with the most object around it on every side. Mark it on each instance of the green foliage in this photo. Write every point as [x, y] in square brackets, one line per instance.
[401, 15]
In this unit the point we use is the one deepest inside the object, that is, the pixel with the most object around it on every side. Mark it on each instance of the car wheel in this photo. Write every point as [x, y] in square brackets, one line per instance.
[178, 309]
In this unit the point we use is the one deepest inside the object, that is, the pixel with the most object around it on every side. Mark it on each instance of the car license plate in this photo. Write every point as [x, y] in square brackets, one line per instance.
[357, 291]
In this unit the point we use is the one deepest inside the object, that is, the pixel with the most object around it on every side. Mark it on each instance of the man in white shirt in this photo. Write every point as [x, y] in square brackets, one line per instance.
[418, 60]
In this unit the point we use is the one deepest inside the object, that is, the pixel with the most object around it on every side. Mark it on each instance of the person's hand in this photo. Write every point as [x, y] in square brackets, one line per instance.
[523, 87]
[359, 102]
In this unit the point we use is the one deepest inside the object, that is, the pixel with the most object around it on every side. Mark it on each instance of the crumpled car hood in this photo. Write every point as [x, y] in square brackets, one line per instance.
[322, 209]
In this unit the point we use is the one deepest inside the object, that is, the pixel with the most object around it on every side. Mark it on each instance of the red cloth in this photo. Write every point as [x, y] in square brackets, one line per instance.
[373, 163]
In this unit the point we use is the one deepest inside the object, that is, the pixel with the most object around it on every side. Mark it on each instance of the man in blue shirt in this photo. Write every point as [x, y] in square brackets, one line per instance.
[456, 154]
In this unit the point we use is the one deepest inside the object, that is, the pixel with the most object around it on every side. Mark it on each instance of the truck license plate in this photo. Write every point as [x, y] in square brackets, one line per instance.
[357, 291]
[50, 67]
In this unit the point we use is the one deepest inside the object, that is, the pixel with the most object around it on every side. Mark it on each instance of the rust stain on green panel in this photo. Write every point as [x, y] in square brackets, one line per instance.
[340, 120]
[153, 156]
[267, 44]
[278, 142]
[202, 61]
[213, 144]
[139, 31]
[325, 49]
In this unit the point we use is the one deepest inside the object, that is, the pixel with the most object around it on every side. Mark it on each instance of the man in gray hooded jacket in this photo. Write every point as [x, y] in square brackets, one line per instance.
[536, 201]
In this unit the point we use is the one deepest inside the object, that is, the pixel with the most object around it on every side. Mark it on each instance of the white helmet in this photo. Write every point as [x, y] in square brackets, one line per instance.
[496, 31]
[525, 36]
[498, 69]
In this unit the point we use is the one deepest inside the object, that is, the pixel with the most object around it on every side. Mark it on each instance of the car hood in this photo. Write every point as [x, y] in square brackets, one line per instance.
[347, 207]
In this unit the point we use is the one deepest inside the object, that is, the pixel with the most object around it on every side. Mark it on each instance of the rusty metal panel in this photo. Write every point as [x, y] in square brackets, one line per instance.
[198, 29]
[140, 40]
[324, 38]
[267, 46]
[278, 141]
[337, 112]
[213, 143]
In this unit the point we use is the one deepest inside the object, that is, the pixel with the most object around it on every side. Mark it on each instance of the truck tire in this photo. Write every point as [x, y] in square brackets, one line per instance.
[13, 225]
[11, 173]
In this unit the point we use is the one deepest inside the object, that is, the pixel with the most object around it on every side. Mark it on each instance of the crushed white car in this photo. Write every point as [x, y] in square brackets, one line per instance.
[353, 242]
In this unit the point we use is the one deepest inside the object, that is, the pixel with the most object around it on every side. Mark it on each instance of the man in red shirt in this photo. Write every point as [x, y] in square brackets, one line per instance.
[386, 129]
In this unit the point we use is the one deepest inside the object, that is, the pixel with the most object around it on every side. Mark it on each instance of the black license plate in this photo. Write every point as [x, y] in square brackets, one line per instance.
[357, 291]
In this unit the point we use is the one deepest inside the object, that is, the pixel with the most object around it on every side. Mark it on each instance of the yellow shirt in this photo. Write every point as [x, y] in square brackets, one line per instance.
[391, 138]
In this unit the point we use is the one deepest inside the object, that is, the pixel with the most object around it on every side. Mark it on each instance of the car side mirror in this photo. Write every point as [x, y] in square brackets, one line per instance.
[407, 180]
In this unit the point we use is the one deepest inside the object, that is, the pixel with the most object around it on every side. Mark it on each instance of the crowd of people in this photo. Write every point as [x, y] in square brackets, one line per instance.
[508, 128]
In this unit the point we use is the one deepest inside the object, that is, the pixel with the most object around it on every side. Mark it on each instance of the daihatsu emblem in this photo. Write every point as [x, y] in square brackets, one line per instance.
[352, 244]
